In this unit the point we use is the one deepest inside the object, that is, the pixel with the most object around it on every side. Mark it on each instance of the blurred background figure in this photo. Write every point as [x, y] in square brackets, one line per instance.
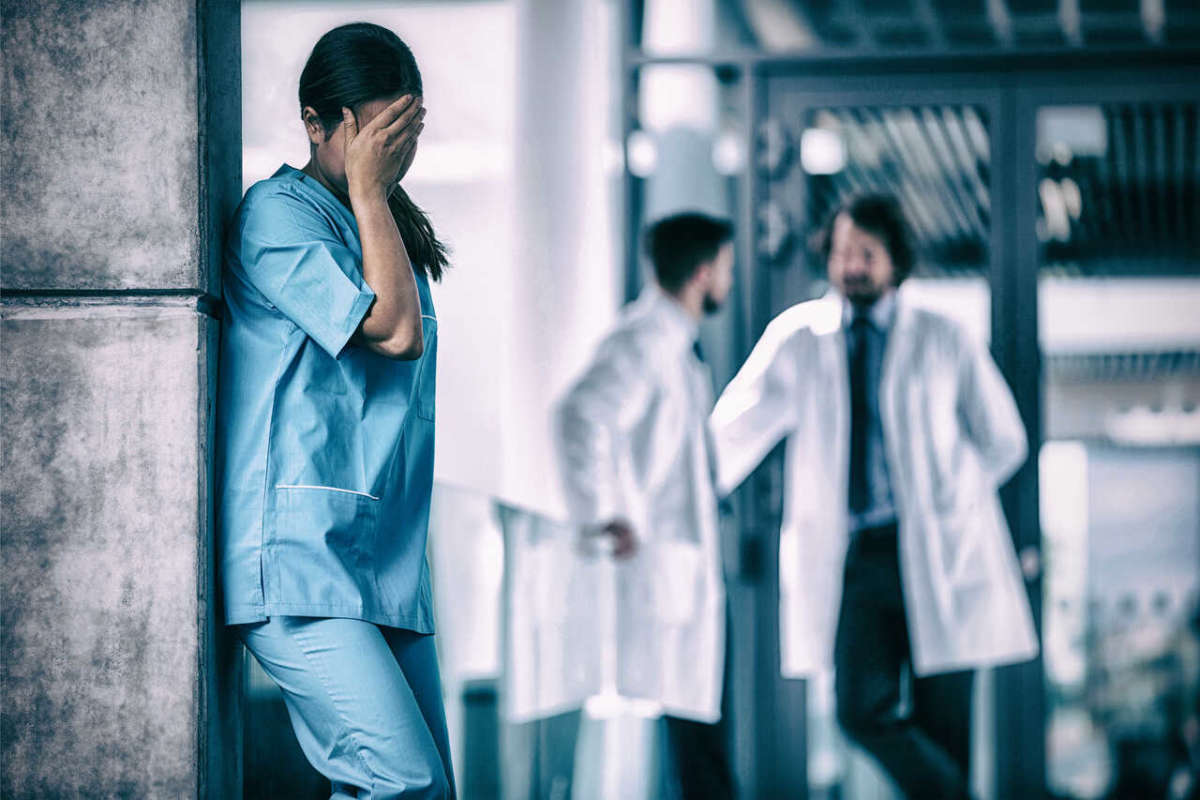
[639, 477]
[900, 429]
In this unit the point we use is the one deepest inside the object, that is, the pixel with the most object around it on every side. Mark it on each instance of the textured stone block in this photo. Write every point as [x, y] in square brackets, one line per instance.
[106, 141]
[105, 551]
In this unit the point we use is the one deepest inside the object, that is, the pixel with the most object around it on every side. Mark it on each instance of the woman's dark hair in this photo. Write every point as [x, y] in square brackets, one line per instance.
[677, 245]
[880, 215]
[355, 64]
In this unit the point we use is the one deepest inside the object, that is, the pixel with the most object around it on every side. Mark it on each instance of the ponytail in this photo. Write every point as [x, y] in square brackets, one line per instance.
[425, 250]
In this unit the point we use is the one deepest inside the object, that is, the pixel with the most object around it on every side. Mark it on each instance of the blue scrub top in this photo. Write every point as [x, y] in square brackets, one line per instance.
[324, 448]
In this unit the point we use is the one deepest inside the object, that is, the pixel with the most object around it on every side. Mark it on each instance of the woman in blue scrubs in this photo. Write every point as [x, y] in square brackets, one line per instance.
[325, 415]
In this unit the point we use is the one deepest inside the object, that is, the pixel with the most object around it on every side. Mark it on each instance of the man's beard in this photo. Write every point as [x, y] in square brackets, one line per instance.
[711, 306]
[863, 293]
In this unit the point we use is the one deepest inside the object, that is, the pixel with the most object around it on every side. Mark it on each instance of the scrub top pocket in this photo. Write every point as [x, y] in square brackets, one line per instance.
[322, 547]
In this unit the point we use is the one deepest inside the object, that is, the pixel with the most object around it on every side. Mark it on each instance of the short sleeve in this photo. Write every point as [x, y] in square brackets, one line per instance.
[291, 254]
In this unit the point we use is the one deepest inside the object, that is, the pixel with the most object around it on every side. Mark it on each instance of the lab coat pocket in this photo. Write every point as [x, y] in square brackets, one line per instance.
[964, 558]
[324, 542]
[677, 571]
[965, 522]
[424, 394]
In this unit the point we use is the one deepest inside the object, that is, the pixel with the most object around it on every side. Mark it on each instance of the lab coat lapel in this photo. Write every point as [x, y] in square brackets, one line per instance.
[837, 365]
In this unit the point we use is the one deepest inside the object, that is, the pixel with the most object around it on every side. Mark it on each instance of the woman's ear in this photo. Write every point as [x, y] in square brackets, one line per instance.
[313, 125]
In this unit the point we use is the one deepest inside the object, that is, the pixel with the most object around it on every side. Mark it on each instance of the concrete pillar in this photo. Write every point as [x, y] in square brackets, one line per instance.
[121, 154]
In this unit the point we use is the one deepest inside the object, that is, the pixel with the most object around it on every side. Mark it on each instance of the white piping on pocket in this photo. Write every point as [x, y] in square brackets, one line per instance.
[426, 316]
[323, 488]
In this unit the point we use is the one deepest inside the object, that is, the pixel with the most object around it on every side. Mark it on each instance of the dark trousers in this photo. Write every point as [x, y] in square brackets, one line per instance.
[699, 754]
[917, 729]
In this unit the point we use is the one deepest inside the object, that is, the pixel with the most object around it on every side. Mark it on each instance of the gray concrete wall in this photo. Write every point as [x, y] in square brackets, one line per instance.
[101, 554]
[120, 162]
[100, 165]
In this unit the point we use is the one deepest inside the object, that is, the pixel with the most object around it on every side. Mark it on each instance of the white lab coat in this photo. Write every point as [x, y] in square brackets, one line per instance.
[952, 437]
[631, 440]
[554, 639]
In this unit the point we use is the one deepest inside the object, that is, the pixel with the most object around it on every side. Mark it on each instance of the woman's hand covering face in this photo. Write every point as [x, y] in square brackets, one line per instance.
[379, 153]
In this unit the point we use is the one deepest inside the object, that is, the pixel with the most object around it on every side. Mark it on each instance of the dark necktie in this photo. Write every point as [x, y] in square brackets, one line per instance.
[860, 412]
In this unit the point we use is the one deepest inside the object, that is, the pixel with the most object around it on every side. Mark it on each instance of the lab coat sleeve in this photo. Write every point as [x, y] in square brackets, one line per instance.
[755, 410]
[591, 422]
[989, 413]
[292, 256]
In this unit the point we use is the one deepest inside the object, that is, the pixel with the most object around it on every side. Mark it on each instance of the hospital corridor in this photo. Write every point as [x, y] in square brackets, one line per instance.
[773, 399]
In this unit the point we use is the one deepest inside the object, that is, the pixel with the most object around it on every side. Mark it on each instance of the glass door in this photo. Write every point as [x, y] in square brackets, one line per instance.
[1118, 286]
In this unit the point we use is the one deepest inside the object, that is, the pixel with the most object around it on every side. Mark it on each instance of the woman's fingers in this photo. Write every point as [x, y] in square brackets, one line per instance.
[409, 142]
[410, 116]
[406, 104]
[400, 136]
[384, 150]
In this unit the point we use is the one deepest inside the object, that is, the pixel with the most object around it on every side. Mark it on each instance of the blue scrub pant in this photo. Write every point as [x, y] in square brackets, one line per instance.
[365, 702]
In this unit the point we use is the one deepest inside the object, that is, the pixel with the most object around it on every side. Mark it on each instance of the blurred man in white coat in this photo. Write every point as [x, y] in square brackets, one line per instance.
[637, 468]
[896, 566]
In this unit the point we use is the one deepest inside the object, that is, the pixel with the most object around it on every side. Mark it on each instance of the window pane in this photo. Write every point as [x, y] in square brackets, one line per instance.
[1119, 233]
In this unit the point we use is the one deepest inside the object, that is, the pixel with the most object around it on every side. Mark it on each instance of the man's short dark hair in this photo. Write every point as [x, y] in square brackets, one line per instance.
[677, 245]
[880, 215]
